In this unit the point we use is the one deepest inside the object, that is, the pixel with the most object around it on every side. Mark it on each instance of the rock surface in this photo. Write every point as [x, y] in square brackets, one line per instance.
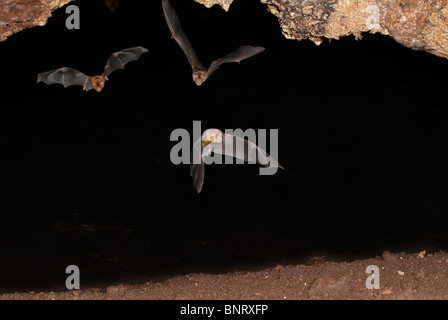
[416, 24]
[16, 15]
[225, 4]
[400, 276]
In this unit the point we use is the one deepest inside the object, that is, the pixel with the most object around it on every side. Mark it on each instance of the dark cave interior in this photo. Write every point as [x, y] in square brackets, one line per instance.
[86, 177]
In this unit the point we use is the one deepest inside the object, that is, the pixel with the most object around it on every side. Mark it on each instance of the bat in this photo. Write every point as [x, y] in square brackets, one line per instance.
[214, 140]
[200, 73]
[112, 5]
[69, 77]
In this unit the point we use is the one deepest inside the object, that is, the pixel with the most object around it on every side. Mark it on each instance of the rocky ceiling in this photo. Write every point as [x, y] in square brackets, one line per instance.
[16, 15]
[416, 24]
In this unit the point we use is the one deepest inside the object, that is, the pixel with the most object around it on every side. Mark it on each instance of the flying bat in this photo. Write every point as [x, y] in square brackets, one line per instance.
[200, 73]
[69, 77]
[214, 140]
[112, 5]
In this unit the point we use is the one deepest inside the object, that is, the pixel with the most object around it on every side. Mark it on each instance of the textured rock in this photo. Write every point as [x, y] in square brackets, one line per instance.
[416, 24]
[16, 15]
[225, 4]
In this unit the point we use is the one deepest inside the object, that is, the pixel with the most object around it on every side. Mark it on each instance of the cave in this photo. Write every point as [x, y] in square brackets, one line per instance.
[86, 177]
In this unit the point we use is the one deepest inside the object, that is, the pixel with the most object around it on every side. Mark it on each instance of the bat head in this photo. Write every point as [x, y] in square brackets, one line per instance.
[98, 82]
[111, 4]
[199, 76]
[211, 136]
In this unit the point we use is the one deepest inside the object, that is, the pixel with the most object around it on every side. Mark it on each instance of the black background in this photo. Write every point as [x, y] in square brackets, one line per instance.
[86, 177]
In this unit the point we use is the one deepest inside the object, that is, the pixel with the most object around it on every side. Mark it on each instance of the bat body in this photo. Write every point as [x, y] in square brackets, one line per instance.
[200, 73]
[112, 5]
[214, 140]
[69, 77]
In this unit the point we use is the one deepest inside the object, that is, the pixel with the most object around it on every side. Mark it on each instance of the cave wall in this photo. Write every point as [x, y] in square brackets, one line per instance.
[16, 15]
[416, 24]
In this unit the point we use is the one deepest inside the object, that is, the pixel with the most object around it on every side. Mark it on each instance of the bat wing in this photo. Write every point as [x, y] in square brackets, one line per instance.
[239, 55]
[245, 150]
[179, 35]
[197, 167]
[66, 77]
[119, 59]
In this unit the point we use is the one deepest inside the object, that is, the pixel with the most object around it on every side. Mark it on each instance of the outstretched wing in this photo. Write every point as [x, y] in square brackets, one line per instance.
[197, 167]
[179, 35]
[119, 59]
[239, 55]
[66, 77]
[245, 150]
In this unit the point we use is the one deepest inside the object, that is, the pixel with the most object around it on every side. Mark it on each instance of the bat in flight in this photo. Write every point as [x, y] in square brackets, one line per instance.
[200, 73]
[112, 5]
[69, 77]
[214, 140]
